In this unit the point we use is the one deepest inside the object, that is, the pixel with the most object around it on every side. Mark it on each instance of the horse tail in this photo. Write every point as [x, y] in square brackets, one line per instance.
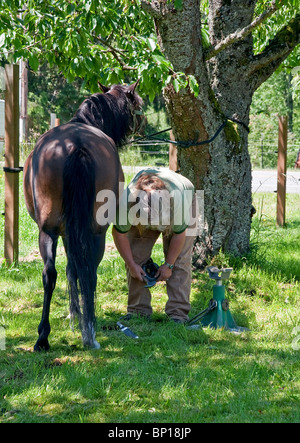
[78, 206]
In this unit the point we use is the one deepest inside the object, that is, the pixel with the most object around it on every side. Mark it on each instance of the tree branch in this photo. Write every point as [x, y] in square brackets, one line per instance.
[116, 53]
[124, 65]
[105, 43]
[264, 64]
[240, 35]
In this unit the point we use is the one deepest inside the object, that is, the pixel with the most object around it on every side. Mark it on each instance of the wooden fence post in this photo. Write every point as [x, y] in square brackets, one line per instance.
[282, 168]
[12, 114]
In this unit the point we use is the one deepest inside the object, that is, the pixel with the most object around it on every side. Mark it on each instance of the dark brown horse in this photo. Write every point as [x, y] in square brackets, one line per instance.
[62, 176]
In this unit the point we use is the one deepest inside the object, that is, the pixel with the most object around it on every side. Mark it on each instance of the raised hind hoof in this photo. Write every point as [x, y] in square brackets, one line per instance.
[41, 346]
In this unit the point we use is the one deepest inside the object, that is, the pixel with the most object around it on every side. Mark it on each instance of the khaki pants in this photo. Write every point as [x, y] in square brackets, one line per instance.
[178, 286]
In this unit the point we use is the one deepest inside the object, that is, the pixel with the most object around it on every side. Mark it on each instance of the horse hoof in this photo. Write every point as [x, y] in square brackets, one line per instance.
[96, 345]
[41, 346]
[89, 338]
[92, 346]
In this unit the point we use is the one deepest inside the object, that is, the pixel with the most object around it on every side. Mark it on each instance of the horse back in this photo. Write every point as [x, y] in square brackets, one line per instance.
[44, 170]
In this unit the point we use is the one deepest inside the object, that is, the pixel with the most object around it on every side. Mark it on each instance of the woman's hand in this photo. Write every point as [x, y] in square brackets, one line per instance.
[123, 245]
[136, 271]
[163, 273]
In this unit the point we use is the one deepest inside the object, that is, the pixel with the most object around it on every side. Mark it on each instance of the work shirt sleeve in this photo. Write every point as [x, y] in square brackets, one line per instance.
[121, 223]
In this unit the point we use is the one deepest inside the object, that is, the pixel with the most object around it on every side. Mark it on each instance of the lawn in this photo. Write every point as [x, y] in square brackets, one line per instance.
[171, 374]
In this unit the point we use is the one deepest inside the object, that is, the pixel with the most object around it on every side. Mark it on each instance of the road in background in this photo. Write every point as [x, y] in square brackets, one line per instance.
[266, 181]
[262, 181]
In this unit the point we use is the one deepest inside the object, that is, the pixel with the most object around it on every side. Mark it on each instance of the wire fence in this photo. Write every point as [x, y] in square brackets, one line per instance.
[263, 152]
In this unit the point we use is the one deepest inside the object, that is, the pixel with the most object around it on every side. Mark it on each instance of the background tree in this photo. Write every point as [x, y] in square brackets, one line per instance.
[49, 92]
[209, 56]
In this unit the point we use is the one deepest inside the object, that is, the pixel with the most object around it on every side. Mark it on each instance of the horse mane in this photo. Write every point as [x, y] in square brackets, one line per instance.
[109, 112]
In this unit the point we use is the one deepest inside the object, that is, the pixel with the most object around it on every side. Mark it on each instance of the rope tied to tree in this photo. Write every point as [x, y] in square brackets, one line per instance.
[187, 144]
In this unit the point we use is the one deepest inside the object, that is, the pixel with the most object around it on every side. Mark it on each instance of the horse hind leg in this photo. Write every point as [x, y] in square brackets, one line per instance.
[83, 311]
[89, 321]
[75, 311]
[48, 245]
[88, 318]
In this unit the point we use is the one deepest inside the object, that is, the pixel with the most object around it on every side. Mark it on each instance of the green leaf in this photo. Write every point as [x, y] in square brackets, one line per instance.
[178, 4]
[151, 44]
[33, 62]
[176, 85]
[151, 95]
[194, 86]
[205, 37]
[88, 5]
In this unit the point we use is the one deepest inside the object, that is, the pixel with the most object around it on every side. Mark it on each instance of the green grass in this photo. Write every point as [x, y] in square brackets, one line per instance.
[170, 374]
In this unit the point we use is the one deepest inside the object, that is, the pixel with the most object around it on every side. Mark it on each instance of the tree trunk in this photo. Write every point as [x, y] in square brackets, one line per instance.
[222, 169]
